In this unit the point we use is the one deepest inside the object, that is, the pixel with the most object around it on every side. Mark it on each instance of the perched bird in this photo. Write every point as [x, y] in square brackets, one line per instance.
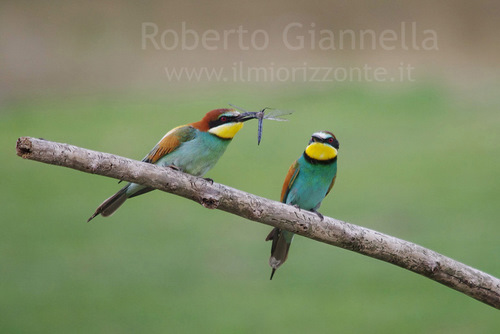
[193, 148]
[309, 180]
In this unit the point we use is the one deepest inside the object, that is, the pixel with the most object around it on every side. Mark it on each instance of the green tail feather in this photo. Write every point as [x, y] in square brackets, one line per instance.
[109, 206]
[279, 249]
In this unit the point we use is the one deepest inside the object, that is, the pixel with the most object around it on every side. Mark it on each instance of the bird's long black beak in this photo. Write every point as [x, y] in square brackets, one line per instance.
[243, 117]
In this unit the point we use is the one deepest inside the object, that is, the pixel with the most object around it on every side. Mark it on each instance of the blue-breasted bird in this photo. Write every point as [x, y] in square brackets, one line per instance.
[193, 148]
[309, 180]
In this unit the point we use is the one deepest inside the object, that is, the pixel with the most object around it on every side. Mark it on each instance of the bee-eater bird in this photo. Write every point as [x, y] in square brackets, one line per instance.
[193, 148]
[309, 180]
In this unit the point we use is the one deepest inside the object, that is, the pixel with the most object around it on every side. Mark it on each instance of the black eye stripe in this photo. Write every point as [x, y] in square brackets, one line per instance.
[221, 120]
[329, 141]
[225, 119]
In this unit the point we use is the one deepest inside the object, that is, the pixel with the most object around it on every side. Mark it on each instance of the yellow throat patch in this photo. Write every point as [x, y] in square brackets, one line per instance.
[226, 131]
[320, 151]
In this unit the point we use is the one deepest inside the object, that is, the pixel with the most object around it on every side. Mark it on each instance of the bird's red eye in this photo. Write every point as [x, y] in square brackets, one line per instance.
[330, 140]
[223, 119]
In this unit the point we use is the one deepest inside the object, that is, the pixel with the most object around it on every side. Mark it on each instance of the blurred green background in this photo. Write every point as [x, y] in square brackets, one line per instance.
[419, 159]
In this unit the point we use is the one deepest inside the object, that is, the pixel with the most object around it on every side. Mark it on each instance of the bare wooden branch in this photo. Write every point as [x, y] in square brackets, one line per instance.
[418, 259]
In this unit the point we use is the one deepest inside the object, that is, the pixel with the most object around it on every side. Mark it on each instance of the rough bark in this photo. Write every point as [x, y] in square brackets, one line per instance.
[418, 259]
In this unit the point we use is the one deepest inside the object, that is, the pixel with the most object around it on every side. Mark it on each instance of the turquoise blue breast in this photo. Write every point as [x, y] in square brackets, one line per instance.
[311, 184]
[197, 156]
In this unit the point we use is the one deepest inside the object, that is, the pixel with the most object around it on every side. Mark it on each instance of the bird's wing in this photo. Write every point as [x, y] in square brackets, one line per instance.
[289, 180]
[331, 186]
[170, 142]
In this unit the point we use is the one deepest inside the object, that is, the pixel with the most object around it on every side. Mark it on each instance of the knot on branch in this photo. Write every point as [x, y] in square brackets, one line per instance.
[435, 267]
[304, 227]
[209, 202]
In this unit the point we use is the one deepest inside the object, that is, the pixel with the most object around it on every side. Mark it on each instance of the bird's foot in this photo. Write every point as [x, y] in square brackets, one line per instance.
[321, 217]
[296, 207]
[208, 180]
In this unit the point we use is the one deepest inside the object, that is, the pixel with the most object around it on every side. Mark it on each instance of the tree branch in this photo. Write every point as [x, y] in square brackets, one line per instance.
[418, 259]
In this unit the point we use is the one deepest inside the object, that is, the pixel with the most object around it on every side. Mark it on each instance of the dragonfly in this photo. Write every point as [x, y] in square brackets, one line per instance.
[273, 115]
